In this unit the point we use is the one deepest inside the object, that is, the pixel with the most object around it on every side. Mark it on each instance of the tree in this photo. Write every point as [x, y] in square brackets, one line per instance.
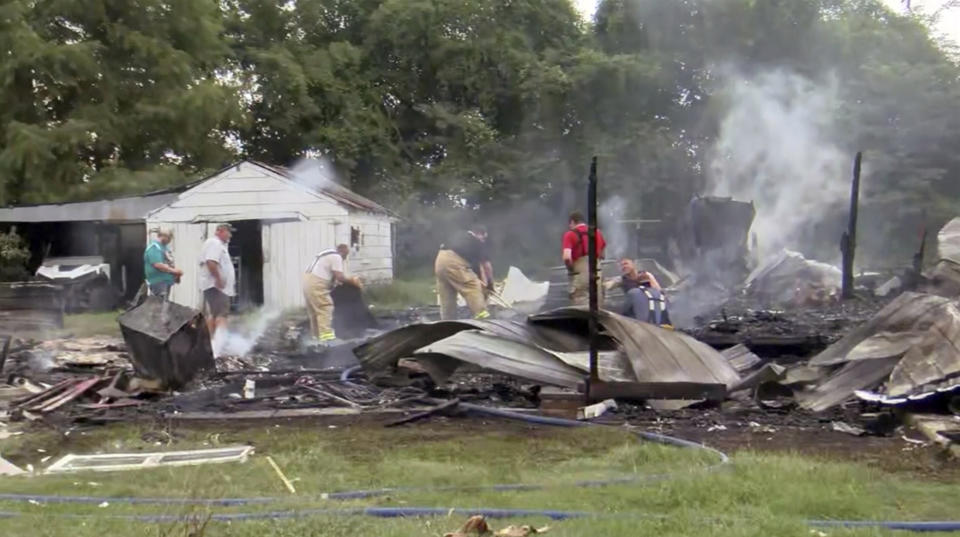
[104, 96]
[14, 256]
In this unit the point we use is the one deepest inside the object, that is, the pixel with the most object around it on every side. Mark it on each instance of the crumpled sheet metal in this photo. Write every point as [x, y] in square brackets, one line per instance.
[778, 280]
[911, 347]
[909, 312]
[654, 354]
[932, 360]
[384, 351]
[948, 241]
[508, 356]
[844, 383]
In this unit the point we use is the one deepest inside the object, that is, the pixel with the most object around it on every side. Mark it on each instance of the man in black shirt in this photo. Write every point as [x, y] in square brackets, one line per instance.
[463, 266]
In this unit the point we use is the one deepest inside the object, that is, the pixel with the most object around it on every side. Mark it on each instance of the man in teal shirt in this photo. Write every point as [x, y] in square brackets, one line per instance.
[158, 269]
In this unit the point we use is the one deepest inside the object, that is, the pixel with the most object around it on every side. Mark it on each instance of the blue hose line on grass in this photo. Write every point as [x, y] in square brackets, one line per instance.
[399, 512]
[405, 512]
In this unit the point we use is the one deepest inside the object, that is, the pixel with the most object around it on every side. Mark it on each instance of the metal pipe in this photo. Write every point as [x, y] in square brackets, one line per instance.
[593, 281]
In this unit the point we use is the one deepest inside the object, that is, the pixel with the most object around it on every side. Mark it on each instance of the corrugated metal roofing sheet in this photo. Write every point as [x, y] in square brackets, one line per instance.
[655, 354]
[548, 349]
[911, 348]
[132, 209]
[508, 356]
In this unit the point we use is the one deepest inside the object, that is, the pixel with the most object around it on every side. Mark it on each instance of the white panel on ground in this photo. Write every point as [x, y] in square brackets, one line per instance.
[134, 461]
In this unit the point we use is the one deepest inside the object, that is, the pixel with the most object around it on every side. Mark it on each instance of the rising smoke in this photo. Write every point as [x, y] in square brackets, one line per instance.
[612, 213]
[777, 147]
[240, 340]
[314, 172]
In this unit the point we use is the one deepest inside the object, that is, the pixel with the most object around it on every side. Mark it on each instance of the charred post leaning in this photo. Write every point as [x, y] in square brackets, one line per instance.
[848, 243]
[593, 281]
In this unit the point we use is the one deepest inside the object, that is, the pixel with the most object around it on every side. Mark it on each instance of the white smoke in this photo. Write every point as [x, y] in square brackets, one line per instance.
[240, 340]
[776, 147]
[611, 215]
[314, 172]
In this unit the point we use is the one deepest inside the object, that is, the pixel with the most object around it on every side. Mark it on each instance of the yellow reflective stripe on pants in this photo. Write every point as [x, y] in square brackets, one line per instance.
[454, 276]
[482, 315]
[327, 336]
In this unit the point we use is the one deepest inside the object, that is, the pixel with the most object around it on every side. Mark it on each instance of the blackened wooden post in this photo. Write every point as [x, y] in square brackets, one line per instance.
[592, 241]
[848, 243]
[918, 257]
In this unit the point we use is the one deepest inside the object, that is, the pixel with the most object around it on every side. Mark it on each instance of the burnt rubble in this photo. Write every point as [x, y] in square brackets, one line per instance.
[771, 353]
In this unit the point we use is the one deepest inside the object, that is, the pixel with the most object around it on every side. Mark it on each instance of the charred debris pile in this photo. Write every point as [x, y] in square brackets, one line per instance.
[781, 343]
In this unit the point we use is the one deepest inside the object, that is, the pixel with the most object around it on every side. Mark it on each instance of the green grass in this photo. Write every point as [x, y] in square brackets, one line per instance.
[401, 294]
[92, 324]
[759, 494]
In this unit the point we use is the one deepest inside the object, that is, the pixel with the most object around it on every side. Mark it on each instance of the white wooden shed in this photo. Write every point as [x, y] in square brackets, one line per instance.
[281, 225]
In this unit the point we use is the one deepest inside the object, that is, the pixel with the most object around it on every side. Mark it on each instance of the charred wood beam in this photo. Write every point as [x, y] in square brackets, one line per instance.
[848, 243]
[643, 391]
[592, 241]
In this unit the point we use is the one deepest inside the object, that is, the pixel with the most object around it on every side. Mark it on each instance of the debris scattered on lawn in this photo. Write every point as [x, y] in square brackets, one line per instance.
[596, 410]
[521, 531]
[7, 468]
[286, 482]
[136, 461]
[475, 525]
[844, 427]
[167, 341]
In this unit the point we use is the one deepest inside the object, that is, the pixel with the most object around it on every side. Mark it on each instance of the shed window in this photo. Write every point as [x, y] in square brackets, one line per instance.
[356, 238]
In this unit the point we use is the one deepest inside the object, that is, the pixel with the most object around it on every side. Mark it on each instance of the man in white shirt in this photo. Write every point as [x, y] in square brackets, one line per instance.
[325, 272]
[217, 278]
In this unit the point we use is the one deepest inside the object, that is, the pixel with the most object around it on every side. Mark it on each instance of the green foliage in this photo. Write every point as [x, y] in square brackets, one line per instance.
[14, 256]
[456, 110]
[105, 96]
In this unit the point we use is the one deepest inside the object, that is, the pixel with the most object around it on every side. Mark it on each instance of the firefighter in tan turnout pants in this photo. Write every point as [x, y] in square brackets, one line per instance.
[321, 276]
[576, 252]
[463, 267]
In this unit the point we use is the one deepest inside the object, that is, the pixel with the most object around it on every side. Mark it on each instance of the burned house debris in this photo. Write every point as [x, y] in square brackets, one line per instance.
[168, 342]
[776, 341]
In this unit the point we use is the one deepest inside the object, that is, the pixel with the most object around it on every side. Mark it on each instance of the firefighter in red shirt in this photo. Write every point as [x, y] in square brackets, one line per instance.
[576, 255]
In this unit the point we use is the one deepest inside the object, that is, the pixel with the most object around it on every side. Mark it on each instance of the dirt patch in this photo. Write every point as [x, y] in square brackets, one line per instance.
[904, 451]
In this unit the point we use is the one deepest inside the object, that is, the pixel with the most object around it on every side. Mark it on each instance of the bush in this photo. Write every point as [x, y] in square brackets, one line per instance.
[14, 256]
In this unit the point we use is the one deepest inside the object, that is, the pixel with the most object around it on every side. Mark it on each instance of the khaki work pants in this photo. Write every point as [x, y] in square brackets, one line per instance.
[454, 276]
[580, 283]
[319, 306]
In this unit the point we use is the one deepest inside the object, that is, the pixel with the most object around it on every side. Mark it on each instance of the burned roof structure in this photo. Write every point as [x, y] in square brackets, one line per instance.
[909, 350]
[550, 348]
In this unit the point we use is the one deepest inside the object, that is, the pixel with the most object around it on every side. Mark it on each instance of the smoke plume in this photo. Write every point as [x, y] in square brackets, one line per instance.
[617, 234]
[240, 340]
[314, 172]
[776, 146]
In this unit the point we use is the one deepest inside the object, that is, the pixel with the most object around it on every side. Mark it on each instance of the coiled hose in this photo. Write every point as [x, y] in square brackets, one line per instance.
[397, 512]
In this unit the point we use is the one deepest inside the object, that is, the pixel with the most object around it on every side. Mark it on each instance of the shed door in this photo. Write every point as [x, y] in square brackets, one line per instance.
[288, 248]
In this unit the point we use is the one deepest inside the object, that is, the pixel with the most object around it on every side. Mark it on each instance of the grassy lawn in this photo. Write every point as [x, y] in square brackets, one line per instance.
[91, 324]
[400, 294]
[755, 495]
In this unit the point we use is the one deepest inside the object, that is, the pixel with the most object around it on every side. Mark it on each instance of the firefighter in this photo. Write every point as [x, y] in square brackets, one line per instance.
[325, 272]
[645, 299]
[463, 267]
[576, 252]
